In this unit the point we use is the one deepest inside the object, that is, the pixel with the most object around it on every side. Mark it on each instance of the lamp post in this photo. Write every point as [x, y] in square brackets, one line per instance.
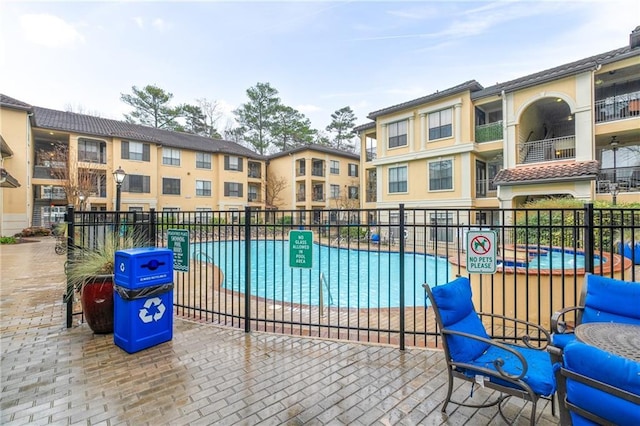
[614, 189]
[81, 197]
[119, 176]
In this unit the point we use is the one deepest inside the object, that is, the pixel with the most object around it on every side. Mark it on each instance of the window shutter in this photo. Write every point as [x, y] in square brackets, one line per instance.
[125, 184]
[146, 155]
[226, 163]
[226, 188]
[240, 164]
[146, 184]
[124, 145]
[240, 189]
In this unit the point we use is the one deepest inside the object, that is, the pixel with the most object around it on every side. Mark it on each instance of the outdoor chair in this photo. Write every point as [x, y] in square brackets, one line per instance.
[601, 388]
[602, 299]
[514, 369]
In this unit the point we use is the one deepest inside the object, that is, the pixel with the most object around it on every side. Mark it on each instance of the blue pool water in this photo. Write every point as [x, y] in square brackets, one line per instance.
[553, 259]
[354, 278]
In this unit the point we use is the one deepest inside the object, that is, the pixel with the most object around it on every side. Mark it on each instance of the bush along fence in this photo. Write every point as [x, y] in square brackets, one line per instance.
[358, 274]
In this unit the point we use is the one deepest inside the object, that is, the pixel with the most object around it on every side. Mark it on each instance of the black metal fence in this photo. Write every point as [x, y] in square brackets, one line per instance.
[368, 266]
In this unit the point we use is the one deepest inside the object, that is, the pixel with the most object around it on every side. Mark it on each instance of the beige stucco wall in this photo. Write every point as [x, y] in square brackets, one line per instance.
[15, 203]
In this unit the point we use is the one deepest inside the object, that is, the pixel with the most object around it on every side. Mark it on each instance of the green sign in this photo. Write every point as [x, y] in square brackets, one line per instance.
[481, 252]
[179, 244]
[300, 249]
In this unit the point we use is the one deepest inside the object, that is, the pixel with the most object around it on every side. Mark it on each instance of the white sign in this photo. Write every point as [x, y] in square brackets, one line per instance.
[481, 252]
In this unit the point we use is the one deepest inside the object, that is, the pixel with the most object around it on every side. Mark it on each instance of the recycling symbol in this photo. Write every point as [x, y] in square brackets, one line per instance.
[152, 310]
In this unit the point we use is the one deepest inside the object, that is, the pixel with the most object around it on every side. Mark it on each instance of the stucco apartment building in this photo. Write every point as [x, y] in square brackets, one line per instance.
[43, 149]
[573, 130]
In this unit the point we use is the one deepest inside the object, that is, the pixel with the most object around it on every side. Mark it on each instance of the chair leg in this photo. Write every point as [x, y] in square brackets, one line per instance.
[449, 392]
[534, 403]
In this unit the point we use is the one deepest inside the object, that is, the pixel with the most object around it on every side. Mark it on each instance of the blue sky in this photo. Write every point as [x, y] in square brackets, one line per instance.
[320, 56]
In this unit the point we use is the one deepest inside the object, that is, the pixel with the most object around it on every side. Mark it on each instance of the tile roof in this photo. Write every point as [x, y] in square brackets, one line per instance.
[471, 85]
[555, 73]
[97, 126]
[579, 170]
[9, 102]
[365, 126]
[319, 148]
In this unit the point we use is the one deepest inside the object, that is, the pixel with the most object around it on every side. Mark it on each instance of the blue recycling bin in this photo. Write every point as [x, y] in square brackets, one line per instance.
[143, 298]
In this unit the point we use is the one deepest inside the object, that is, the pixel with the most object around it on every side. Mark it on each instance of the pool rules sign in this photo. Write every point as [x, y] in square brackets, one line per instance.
[481, 252]
[300, 249]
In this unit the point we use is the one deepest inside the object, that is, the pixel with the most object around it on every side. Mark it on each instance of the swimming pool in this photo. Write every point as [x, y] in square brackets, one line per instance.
[553, 259]
[352, 278]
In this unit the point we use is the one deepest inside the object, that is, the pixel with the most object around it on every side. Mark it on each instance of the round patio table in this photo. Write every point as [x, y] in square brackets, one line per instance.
[616, 338]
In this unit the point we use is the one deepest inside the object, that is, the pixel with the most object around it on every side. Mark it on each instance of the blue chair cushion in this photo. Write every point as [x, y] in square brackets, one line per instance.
[561, 340]
[457, 313]
[539, 376]
[607, 368]
[607, 300]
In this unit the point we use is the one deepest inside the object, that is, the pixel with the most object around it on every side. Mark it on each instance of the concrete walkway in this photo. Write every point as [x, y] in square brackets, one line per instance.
[206, 374]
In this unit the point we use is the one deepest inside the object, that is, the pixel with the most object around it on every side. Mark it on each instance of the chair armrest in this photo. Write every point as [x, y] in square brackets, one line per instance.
[529, 325]
[498, 362]
[558, 325]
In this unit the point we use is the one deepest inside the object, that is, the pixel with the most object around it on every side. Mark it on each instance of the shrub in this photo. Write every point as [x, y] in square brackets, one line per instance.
[34, 231]
[8, 240]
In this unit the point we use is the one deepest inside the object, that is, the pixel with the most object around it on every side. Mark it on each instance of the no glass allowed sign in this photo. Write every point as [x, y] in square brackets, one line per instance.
[481, 252]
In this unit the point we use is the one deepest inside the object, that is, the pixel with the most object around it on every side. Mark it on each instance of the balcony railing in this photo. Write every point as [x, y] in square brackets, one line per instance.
[317, 196]
[301, 196]
[300, 171]
[489, 132]
[254, 198]
[317, 171]
[622, 179]
[547, 150]
[617, 107]
[486, 188]
[254, 174]
[371, 196]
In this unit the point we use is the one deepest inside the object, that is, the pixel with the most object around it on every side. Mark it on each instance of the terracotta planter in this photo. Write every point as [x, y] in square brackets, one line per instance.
[97, 303]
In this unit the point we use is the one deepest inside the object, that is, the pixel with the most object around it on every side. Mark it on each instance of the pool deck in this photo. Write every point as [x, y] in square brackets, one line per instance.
[206, 374]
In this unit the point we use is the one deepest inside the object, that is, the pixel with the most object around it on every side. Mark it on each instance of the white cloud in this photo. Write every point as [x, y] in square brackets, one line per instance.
[160, 25]
[308, 108]
[139, 22]
[50, 31]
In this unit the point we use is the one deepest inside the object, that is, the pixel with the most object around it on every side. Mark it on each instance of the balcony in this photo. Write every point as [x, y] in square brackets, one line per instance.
[489, 132]
[254, 171]
[301, 171]
[485, 188]
[301, 197]
[562, 148]
[621, 179]
[254, 198]
[371, 196]
[619, 107]
[317, 196]
[317, 171]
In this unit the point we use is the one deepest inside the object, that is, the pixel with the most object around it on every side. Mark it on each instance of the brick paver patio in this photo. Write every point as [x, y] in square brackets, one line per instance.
[207, 374]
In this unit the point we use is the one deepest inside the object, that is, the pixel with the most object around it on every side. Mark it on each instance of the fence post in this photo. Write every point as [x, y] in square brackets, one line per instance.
[588, 237]
[152, 227]
[247, 269]
[70, 217]
[402, 242]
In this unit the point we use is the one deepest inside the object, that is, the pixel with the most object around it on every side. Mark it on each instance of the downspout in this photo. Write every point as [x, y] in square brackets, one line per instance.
[29, 171]
[505, 150]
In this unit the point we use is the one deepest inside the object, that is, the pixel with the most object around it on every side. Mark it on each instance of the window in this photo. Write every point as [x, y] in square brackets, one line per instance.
[232, 189]
[203, 188]
[231, 162]
[171, 156]
[253, 193]
[440, 175]
[203, 160]
[440, 124]
[398, 179]
[370, 145]
[441, 229]
[397, 134]
[92, 151]
[353, 192]
[135, 151]
[335, 191]
[301, 169]
[334, 167]
[171, 186]
[353, 170]
[137, 184]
